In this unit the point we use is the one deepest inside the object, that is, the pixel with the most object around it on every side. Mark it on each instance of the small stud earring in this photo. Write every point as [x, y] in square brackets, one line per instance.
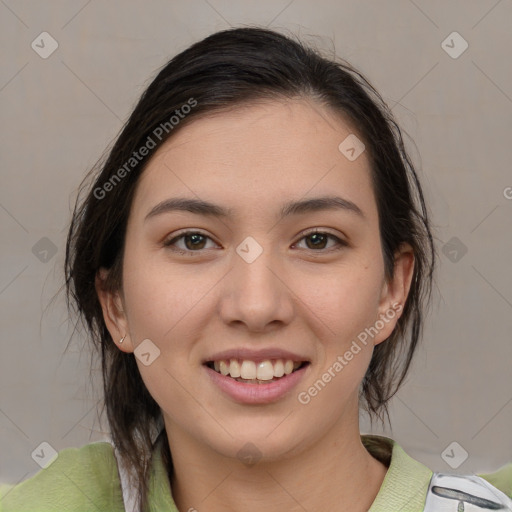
[122, 339]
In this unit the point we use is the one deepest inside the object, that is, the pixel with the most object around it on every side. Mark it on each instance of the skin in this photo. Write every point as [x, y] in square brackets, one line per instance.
[313, 301]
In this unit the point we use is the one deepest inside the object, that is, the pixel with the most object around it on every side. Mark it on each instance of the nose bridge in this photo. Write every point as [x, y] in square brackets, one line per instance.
[256, 293]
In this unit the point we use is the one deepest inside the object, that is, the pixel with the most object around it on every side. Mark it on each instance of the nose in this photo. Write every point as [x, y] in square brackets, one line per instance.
[257, 296]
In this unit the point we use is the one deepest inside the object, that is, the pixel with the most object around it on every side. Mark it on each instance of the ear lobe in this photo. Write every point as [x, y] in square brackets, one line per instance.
[113, 312]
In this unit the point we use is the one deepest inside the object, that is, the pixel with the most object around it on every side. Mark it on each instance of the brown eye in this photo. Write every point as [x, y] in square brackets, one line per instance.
[194, 241]
[317, 241]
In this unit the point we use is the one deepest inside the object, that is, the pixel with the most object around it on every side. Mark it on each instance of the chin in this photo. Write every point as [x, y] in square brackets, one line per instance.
[258, 444]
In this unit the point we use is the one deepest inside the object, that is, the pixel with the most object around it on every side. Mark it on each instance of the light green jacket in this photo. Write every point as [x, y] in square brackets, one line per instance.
[87, 479]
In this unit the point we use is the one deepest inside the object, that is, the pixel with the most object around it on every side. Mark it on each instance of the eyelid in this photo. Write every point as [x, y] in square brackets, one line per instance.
[322, 231]
[180, 234]
[340, 242]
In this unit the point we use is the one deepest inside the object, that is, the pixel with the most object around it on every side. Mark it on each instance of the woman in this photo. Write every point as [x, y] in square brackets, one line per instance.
[254, 261]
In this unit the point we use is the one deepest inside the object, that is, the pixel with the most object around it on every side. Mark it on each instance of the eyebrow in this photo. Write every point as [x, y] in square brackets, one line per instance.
[200, 207]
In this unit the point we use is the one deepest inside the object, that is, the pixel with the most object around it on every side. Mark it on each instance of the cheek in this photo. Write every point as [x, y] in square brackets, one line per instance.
[159, 297]
[162, 306]
[165, 304]
[345, 300]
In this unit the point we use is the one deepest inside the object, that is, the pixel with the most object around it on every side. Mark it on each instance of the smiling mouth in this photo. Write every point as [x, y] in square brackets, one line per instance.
[252, 372]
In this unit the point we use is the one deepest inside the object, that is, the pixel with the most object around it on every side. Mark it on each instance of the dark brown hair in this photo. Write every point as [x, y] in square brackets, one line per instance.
[223, 71]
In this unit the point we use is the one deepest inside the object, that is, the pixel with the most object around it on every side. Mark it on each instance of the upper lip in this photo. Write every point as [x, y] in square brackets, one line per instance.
[255, 355]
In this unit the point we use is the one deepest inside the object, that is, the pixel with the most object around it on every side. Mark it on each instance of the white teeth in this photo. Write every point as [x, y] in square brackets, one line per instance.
[265, 371]
[234, 368]
[288, 367]
[278, 368]
[248, 370]
[223, 367]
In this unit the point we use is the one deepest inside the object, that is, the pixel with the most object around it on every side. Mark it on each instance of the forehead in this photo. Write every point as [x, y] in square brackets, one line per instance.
[257, 156]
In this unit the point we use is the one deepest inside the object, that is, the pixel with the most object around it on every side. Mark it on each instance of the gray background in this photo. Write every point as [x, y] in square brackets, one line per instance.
[60, 113]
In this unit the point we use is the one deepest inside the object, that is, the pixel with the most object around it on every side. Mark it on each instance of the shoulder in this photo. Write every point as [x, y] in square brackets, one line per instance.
[79, 479]
[406, 481]
[501, 479]
[410, 485]
[448, 491]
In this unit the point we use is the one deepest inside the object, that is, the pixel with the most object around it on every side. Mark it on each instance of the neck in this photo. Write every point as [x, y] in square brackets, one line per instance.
[336, 473]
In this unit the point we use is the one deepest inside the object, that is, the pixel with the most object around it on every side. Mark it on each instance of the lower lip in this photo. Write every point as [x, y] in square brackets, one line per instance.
[257, 393]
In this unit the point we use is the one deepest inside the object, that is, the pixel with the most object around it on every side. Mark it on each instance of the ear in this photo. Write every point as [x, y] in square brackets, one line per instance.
[113, 312]
[395, 292]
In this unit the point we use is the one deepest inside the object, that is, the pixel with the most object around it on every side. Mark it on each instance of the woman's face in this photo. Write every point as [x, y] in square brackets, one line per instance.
[255, 286]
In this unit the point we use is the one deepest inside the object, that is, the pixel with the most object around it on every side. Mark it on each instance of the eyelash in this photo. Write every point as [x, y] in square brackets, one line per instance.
[170, 242]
